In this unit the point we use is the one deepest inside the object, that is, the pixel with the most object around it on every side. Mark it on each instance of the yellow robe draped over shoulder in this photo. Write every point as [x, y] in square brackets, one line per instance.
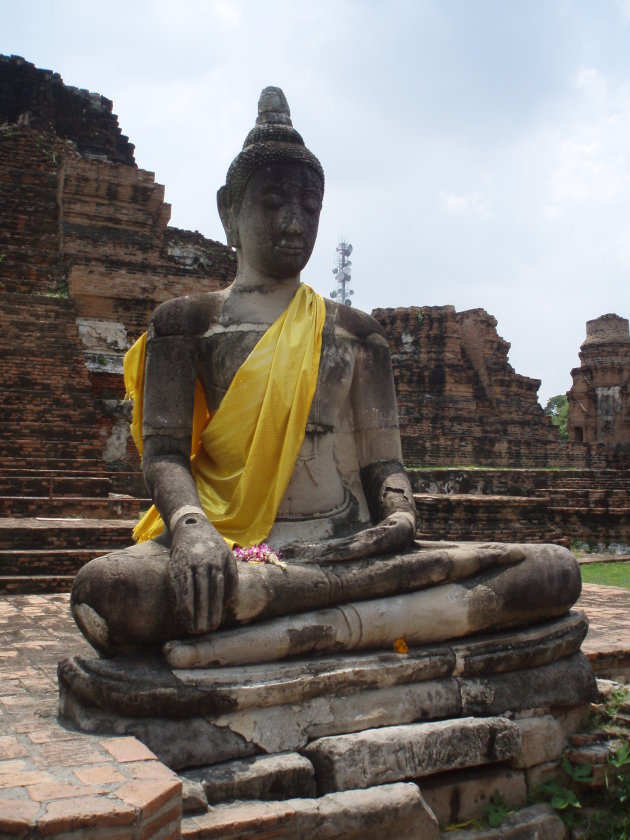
[242, 457]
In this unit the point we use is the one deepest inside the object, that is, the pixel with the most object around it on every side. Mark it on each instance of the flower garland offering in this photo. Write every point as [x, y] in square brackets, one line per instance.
[259, 554]
[401, 646]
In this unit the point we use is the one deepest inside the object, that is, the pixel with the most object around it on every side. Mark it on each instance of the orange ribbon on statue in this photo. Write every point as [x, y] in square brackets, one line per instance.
[242, 457]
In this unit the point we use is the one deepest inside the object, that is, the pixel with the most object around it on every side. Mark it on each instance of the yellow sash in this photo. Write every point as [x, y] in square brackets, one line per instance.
[242, 458]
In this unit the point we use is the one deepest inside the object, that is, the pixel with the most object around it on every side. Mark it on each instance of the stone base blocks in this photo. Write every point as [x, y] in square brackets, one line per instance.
[379, 813]
[354, 744]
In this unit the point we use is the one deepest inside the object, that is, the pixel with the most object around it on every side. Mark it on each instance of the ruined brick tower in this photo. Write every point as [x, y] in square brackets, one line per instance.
[86, 255]
[599, 400]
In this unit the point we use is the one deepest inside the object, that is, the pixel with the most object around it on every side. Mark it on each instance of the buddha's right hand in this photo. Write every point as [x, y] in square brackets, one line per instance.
[201, 574]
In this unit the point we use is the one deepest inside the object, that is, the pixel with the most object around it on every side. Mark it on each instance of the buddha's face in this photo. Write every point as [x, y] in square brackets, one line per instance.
[276, 224]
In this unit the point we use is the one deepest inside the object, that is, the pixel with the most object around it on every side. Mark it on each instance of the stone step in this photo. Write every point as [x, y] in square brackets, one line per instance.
[409, 752]
[26, 562]
[70, 506]
[62, 533]
[382, 812]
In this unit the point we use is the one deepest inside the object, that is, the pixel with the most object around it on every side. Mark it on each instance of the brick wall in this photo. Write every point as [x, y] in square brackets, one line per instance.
[459, 399]
[78, 218]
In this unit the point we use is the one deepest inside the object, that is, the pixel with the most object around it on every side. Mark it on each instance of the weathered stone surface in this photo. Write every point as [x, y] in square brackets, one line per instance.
[397, 753]
[323, 696]
[194, 800]
[573, 719]
[543, 585]
[542, 741]
[177, 743]
[379, 813]
[567, 682]
[524, 648]
[269, 591]
[289, 727]
[462, 795]
[538, 822]
[265, 777]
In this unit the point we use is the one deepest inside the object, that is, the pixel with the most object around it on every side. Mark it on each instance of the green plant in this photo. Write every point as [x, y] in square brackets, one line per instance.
[581, 773]
[497, 810]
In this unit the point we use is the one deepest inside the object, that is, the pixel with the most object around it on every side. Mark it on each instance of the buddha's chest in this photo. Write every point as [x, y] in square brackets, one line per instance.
[222, 353]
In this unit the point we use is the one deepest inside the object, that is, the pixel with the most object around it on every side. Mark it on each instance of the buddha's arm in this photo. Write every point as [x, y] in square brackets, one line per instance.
[386, 487]
[201, 572]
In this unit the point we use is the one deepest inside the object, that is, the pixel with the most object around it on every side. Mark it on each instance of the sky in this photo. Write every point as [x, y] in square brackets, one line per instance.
[477, 152]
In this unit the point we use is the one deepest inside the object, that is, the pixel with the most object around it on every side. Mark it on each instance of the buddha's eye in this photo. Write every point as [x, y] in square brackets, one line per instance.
[311, 204]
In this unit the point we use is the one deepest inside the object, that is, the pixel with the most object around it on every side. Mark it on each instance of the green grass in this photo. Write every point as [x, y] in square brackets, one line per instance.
[607, 574]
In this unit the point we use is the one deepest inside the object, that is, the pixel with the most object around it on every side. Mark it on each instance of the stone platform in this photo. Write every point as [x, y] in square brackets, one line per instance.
[56, 782]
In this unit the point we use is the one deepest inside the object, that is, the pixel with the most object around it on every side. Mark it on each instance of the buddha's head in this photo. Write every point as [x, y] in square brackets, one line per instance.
[272, 197]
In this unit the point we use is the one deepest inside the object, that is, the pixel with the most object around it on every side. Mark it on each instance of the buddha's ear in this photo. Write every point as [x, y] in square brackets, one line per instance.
[228, 218]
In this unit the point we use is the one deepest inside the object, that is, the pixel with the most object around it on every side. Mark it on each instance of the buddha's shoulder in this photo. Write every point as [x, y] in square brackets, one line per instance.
[188, 315]
[358, 324]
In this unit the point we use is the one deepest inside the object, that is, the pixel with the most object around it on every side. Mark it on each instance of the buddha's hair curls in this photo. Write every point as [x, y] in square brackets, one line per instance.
[272, 139]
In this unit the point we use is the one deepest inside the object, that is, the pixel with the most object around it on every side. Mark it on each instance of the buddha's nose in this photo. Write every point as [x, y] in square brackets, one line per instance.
[293, 226]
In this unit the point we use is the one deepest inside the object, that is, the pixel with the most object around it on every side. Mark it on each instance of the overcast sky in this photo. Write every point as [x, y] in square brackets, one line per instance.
[477, 152]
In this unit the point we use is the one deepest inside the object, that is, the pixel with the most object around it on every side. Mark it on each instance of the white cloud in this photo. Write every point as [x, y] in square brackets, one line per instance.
[470, 203]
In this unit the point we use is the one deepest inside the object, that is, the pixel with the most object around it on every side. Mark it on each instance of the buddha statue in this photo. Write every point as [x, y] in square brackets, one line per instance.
[266, 414]
[266, 419]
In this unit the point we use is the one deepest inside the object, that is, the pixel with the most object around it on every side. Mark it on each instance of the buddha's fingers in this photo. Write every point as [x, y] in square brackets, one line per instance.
[201, 599]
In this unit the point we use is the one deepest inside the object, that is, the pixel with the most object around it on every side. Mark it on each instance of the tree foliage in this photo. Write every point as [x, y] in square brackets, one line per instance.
[557, 409]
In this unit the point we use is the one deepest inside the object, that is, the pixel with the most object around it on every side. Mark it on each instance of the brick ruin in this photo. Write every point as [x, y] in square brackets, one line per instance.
[599, 399]
[86, 255]
[459, 399]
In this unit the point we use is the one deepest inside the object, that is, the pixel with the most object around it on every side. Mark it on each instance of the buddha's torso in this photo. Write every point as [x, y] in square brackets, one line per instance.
[325, 489]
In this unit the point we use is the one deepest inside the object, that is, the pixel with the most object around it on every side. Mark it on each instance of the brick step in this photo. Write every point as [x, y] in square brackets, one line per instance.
[49, 449]
[59, 533]
[43, 410]
[35, 584]
[617, 512]
[69, 431]
[55, 485]
[481, 518]
[68, 506]
[80, 466]
[20, 562]
[588, 497]
[128, 482]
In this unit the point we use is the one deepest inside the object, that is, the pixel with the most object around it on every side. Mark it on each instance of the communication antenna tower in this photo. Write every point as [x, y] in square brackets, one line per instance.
[342, 272]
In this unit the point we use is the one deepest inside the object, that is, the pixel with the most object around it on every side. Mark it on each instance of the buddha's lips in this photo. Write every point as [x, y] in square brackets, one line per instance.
[290, 249]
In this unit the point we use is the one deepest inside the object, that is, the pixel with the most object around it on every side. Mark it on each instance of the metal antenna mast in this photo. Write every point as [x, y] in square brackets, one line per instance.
[342, 272]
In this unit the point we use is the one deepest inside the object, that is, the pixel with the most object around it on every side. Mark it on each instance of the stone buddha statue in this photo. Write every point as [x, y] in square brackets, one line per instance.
[346, 495]
[266, 418]
[268, 414]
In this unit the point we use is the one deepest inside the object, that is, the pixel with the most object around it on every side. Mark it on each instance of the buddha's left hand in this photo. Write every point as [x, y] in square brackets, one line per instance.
[395, 533]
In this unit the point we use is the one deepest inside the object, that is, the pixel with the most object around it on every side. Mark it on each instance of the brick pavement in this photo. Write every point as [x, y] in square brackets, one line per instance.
[54, 781]
[58, 782]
